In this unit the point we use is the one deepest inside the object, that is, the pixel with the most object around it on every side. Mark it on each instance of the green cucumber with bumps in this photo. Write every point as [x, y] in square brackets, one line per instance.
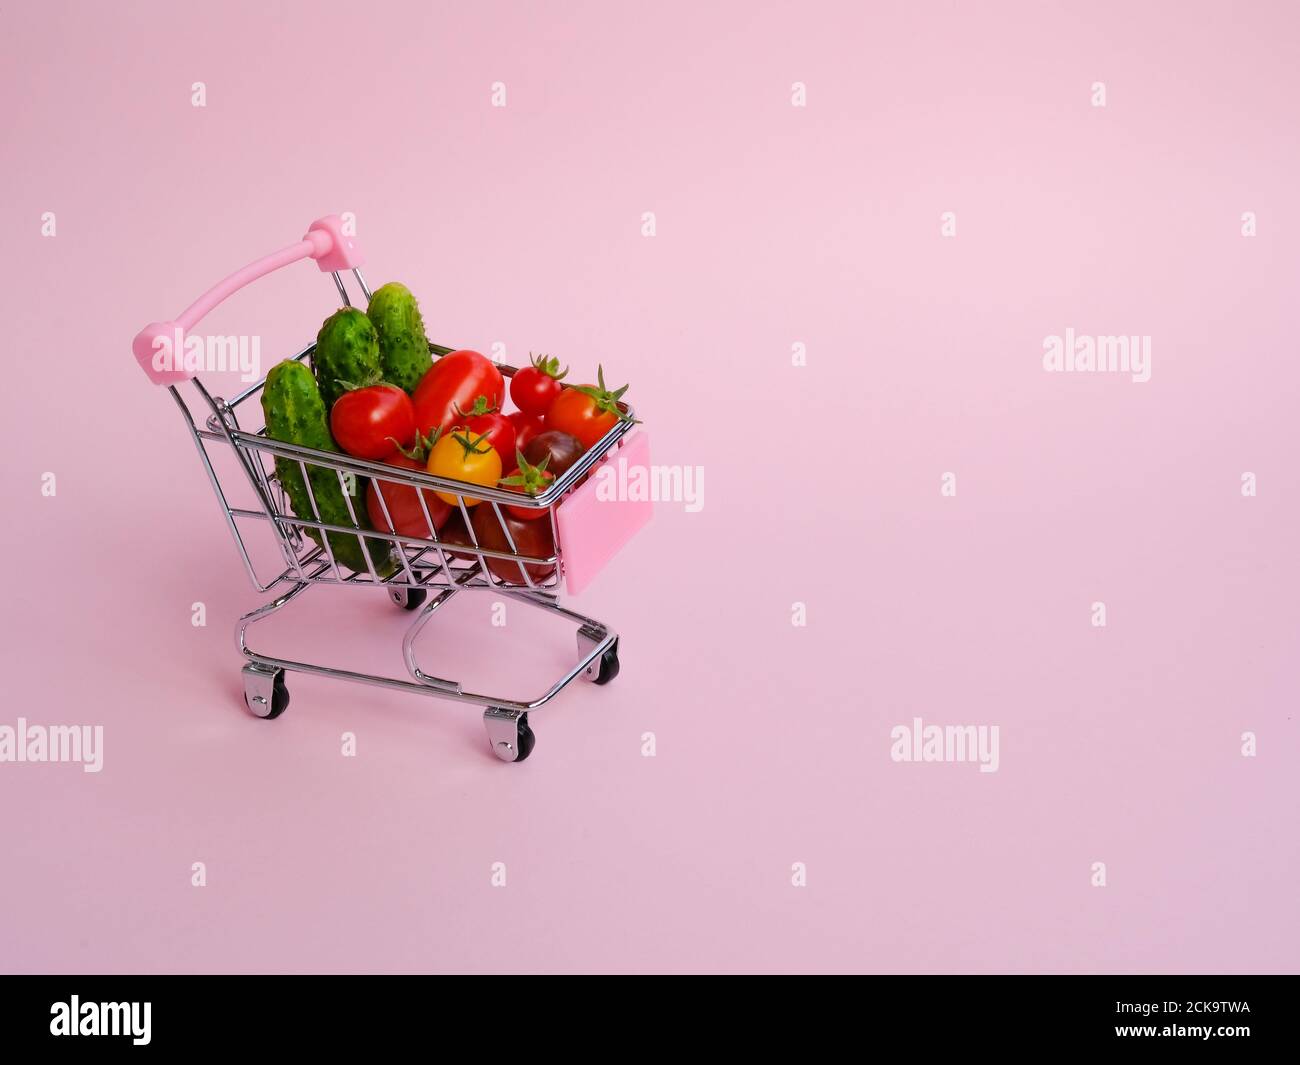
[403, 346]
[295, 414]
[347, 353]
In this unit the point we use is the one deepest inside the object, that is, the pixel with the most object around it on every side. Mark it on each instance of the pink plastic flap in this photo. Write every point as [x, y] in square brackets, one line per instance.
[606, 512]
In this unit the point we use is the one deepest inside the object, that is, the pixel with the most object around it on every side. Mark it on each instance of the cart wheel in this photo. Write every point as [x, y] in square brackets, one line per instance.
[509, 734]
[527, 739]
[265, 693]
[408, 598]
[606, 670]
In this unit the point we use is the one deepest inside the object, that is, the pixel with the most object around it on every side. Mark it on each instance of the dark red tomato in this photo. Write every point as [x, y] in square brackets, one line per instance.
[587, 411]
[531, 538]
[374, 421]
[534, 388]
[558, 450]
[482, 420]
[455, 380]
[404, 504]
[454, 532]
[526, 427]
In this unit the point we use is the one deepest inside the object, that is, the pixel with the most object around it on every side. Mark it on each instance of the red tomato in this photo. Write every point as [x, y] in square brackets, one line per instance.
[526, 427]
[528, 480]
[534, 388]
[531, 538]
[482, 420]
[454, 532]
[372, 422]
[455, 380]
[404, 504]
[587, 411]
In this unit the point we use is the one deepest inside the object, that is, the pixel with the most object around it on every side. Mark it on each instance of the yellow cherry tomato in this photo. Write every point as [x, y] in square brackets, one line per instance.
[465, 456]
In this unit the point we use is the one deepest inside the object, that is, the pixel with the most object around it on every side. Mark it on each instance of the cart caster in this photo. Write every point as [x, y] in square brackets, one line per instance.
[605, 668]
[408, 598]
[508, 733]
[265, 693]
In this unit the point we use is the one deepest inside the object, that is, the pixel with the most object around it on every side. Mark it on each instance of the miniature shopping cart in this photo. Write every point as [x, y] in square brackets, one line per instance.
[587, 526]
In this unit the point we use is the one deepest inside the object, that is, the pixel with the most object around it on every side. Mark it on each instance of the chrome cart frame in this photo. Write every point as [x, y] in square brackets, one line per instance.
[429, 572]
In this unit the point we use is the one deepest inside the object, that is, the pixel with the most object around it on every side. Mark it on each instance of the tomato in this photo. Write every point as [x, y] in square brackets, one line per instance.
[463, 456]
[455, 380]
[528, 480]
[531, 538]
[454, 532]
[370, 422]
[526, 427]
[534, 388]
[483, 420]
[555, 450]
[403, 504]
[587, 411]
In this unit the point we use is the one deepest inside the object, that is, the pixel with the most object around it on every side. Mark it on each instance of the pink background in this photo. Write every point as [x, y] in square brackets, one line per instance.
[775, 225]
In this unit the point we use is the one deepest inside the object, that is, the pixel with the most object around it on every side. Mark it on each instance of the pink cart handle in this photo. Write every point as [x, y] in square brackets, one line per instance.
[159, 347]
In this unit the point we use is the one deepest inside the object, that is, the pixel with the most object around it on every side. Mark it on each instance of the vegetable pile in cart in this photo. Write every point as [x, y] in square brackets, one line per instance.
[391, 463]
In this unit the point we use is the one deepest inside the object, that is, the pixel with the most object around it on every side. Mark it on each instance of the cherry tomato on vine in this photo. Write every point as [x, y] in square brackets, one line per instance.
[482, 419]
[528, 480]
[462, 456]
[534, 387]
[587, 411]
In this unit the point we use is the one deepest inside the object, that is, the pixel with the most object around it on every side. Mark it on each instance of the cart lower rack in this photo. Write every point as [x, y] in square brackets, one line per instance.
[418, 573]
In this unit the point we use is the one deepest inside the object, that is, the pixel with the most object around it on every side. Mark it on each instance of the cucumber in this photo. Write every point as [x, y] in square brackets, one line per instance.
[347, 352]
[403, 347]
[295, 414]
